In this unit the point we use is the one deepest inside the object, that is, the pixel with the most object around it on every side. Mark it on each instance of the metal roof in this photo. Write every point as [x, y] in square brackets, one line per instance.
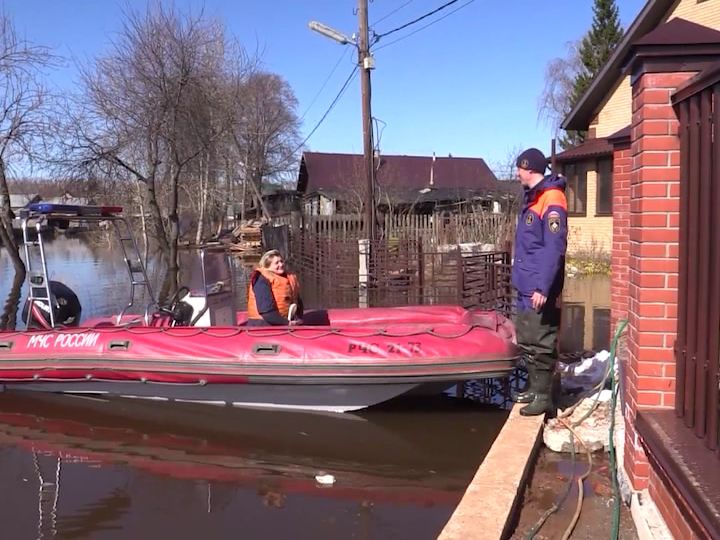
[344, 172]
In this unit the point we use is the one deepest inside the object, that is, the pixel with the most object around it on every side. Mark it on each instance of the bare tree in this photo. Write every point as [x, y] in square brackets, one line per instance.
[8, 315]
[504, 169]
[23, 104]
[265, 128]
[555, 101]
[150, 108]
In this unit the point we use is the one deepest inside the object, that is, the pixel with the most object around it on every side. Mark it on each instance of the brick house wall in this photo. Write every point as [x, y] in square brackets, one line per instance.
[620, 256]
[646, 184]
[675, 518]
[653, 256]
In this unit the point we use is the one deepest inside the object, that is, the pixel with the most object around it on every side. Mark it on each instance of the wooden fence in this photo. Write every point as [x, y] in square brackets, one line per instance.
[431, 229]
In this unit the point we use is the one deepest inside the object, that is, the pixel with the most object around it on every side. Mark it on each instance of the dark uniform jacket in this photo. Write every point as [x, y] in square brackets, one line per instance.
[541, 242]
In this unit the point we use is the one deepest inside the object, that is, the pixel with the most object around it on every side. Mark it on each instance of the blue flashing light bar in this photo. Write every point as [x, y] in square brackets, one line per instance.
[71, 210]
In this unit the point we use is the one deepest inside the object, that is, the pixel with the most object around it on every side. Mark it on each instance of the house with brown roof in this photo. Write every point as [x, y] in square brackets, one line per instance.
[336, 184]
[604, 111]
[654, 126]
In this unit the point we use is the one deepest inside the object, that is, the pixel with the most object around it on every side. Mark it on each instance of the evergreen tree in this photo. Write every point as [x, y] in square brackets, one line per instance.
[595, 49]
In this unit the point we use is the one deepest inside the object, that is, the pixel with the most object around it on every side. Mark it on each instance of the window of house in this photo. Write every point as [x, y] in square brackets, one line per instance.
[604, 187]
[601, 329]
[576, 190]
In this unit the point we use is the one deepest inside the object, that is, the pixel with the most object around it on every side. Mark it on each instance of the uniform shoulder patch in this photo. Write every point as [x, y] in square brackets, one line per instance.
[553, 197]
[553, 220]
[529, 218]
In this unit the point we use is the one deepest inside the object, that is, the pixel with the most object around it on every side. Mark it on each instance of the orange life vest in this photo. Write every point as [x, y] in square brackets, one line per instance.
[285, 291]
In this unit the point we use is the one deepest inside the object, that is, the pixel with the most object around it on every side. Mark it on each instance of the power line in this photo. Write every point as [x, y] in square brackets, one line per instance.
[392, 12]
[379, 132]
[425, 26]
[414, 21]
[330, 108]
[324, 84]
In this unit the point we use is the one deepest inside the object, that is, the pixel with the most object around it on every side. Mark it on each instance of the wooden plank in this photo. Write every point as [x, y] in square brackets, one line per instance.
[713, 397]
[705, 226]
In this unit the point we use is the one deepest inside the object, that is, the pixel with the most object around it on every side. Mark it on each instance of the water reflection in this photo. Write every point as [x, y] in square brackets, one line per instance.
[123, 468]
[586, 314]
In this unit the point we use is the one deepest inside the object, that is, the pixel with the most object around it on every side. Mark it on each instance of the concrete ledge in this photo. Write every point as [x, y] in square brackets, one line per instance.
[488, 506]
[648, 521]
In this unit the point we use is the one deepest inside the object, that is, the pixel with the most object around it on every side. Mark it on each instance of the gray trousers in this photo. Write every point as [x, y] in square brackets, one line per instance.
[537, 335]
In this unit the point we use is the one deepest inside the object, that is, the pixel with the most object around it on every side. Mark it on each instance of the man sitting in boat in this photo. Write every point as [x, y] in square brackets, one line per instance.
[273, 294]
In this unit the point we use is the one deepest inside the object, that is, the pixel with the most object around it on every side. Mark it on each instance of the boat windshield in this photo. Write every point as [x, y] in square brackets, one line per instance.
[205, 270]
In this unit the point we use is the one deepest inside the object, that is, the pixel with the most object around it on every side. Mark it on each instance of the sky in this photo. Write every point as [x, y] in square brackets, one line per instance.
[468, 85]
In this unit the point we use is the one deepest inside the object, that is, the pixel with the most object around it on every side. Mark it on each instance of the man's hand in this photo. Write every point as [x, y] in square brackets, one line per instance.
[538, 300]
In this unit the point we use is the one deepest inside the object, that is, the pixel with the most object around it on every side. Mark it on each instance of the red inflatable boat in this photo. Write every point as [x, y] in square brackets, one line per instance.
[338, 360]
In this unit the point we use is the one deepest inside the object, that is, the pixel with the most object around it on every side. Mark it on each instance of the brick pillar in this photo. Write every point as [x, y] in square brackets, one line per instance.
[649, 366]
[622, 166]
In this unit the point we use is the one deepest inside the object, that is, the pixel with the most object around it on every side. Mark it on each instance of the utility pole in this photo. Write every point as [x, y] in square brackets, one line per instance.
[366, 62]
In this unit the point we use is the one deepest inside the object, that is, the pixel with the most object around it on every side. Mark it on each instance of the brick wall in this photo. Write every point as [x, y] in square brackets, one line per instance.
[652, 257]
[622, 167]
[679, 519]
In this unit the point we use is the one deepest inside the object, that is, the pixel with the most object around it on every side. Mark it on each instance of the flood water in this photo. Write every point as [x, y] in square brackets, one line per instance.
[82, 468]
[74, 467]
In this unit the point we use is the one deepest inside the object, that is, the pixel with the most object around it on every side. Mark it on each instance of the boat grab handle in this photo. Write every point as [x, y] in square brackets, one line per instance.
[6, 345]
[119, 345]
[265, 348]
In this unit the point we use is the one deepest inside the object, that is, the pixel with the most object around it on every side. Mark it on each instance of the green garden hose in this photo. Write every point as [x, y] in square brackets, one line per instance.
[615, 386]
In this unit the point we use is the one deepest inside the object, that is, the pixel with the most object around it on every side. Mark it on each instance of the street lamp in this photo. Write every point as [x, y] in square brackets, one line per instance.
[331, 33]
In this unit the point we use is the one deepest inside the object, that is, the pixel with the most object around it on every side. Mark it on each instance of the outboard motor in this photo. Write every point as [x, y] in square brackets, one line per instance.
[66, 308]
[208, 274]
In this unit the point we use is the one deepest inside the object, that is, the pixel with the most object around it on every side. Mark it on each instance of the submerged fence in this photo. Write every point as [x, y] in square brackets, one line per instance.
[418, 259]
[346, 273]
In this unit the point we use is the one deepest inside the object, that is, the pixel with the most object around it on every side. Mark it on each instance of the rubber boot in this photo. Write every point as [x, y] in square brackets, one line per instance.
[527, 395]
[543, 402]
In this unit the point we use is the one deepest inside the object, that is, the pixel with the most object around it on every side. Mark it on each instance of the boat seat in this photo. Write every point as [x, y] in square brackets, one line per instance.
[106, 322]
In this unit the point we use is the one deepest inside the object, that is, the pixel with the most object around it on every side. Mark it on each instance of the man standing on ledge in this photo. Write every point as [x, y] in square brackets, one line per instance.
[538, 275]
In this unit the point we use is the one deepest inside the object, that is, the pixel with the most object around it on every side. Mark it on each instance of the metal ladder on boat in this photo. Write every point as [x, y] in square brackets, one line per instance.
[36, 268]
[138, 274]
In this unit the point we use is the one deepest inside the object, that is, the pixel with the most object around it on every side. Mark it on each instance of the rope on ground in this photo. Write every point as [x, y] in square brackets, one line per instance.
[580, 480]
